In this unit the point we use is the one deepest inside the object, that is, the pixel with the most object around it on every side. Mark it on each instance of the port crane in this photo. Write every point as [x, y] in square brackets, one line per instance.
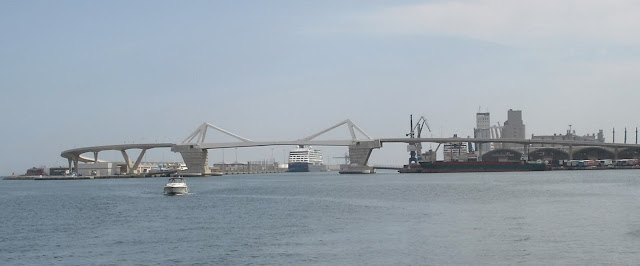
[416, 131]
[345, 157]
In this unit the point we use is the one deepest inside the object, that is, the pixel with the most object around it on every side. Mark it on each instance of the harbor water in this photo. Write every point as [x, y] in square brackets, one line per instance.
[555, 217]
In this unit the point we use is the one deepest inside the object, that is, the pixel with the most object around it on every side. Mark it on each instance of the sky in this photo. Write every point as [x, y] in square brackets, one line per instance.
[88, 73]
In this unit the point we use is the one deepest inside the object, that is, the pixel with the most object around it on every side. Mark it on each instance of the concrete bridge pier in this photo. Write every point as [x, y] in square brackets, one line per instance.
[359, 154]
[73, 162]
[196, 159]
[570, 152]
[127, 161]
[132, 169]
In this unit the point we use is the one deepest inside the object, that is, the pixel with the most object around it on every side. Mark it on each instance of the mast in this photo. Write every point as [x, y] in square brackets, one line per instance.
[412, 153]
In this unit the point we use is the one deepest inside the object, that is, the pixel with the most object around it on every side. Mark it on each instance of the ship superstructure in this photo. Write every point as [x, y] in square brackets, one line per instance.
[305, 159]
[454, 152]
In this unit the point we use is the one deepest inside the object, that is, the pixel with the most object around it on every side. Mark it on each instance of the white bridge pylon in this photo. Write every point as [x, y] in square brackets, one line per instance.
[198, 138]
[201, 134]
[351, 126]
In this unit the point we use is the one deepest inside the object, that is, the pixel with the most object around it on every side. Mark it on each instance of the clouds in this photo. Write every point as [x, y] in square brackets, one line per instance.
[291, 69]
[567, 58]
[509, 22]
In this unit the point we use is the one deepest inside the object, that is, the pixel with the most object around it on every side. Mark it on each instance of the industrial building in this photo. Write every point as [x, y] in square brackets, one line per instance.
[483, 131]
[513, 128]
[569, 135]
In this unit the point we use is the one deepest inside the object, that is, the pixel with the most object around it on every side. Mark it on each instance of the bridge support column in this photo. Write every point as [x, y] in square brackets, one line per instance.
[70, 167]
[75, 165]
[615, 153]
[139, 160]
[570, 153]
[95, 156]
[479, 151]
[359, 154]
[196, 159]
[127, 161]
[131, 169]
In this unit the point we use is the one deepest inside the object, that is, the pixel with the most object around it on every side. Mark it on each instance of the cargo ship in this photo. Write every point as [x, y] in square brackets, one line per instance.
[457, 167]
[305, 159]
[459, 157]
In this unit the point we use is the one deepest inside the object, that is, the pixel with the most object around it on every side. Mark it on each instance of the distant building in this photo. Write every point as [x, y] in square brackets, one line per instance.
[58, 171]
[496, 132]
[35, 171]
[255, 167]
[513, 129]
[96, 169]
[483, 130]
[568, 136]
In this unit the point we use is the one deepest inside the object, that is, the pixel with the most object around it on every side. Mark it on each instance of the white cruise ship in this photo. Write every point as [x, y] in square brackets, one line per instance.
[305, 159]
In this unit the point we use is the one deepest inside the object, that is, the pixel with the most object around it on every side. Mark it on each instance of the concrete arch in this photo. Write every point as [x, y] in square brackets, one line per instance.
[502, 155]
[629, 153]
[593, 153]
[548, 154]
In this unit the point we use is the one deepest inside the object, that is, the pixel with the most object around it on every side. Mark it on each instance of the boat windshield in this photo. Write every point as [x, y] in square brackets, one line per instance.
[176, 180]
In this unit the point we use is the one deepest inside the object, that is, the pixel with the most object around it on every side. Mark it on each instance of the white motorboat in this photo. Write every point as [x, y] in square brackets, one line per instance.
[176, 186]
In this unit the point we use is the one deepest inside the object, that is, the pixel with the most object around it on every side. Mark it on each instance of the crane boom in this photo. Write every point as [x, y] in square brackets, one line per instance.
[416, 148]
[422, 122]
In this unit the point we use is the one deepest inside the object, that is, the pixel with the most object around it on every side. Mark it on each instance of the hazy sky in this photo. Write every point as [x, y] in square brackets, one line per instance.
[85, 73]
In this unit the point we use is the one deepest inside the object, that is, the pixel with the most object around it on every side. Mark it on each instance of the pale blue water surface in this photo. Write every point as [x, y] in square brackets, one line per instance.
[560, 217]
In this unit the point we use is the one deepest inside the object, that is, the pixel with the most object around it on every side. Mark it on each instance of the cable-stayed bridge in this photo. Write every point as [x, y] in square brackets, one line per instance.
[194, 148]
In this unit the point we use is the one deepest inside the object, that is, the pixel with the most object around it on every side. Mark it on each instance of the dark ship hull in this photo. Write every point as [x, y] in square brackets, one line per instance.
[458, 167]
[306, 167]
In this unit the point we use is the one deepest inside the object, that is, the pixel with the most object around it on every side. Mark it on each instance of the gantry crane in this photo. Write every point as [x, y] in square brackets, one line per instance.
[416, 148]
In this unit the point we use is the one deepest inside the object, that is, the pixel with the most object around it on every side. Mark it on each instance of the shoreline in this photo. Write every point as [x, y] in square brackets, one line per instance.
[25, 177]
